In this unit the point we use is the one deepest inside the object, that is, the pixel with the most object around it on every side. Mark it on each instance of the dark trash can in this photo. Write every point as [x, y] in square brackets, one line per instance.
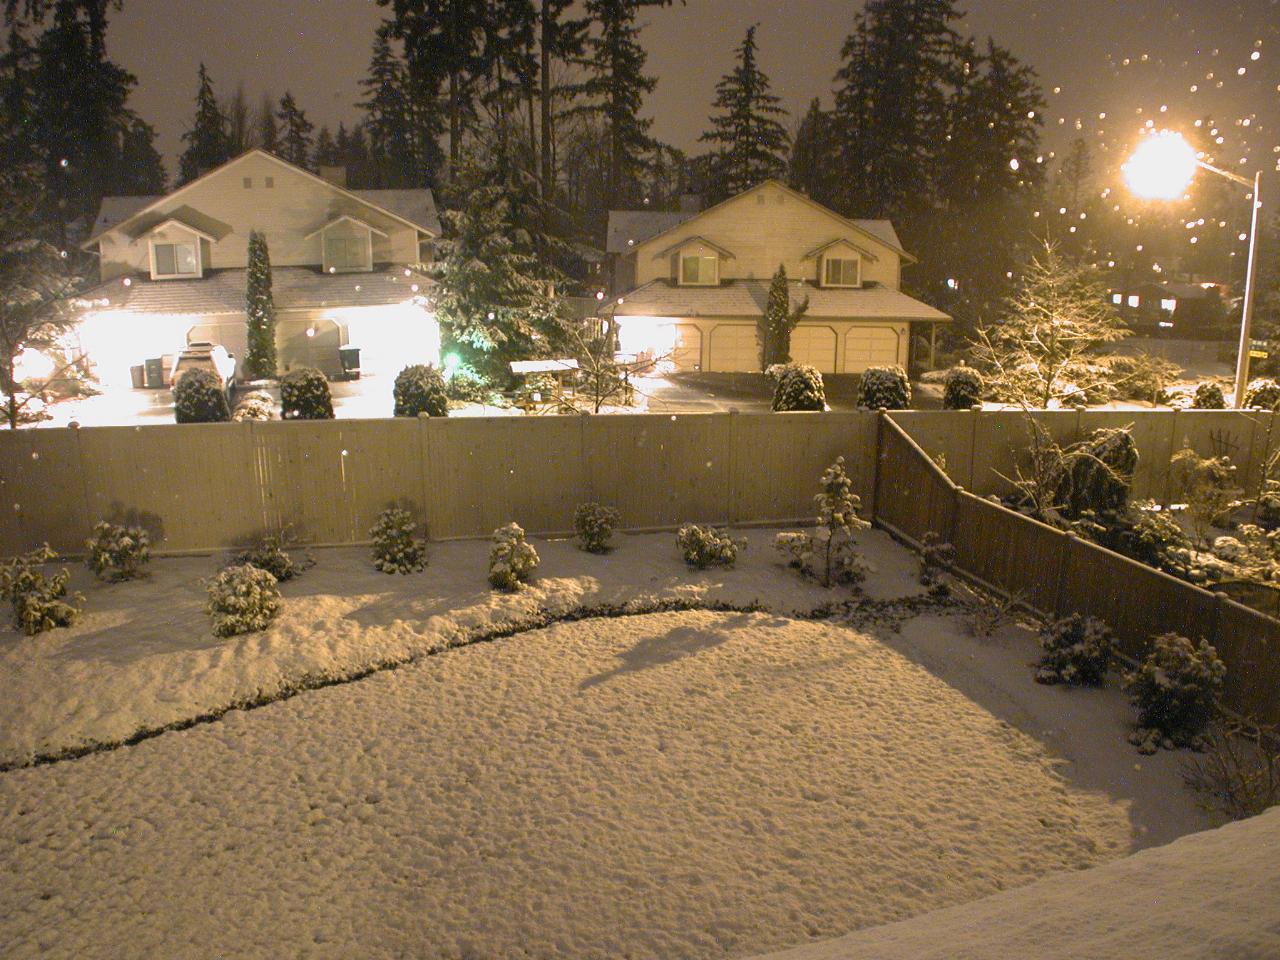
[155, 373]
[350, 357]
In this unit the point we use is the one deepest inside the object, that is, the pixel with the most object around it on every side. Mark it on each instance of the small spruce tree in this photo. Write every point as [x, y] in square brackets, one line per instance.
[779, 319]
[260, 311]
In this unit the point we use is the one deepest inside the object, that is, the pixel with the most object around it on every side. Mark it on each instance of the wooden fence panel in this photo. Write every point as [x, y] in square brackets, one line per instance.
[1007, 550]
[1249, 644]
[945, 433]
[1002, 440]
[913, 495]
[42, 491]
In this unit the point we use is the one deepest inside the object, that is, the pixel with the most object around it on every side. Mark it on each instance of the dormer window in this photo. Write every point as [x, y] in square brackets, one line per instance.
[347, 253]
[841, 272]
[699, 270]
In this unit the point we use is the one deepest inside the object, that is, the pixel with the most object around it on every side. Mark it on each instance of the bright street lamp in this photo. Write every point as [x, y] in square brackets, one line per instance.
[1161, 168]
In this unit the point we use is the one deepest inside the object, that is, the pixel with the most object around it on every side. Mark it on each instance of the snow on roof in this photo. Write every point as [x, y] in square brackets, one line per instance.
[116, 210]
[293, 288]
[747, 298]
[418, 206]
[629, 228]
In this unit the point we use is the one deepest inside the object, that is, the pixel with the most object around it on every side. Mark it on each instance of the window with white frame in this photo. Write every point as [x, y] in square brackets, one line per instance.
[700, 270]
[346, 253]
[175, 260]
[1169, 303]
[841, 272]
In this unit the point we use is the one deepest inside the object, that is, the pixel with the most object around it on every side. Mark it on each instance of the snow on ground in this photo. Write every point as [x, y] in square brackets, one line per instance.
[144, 657]
[1208, 895]
[689, 785]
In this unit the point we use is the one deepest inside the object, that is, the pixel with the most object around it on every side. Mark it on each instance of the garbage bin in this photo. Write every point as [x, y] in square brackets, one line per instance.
[350, 357]
[155, 373]
[138, 376]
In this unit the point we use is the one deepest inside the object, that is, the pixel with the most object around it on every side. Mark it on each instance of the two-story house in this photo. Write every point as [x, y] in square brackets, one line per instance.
[346, 269]
[696, 283]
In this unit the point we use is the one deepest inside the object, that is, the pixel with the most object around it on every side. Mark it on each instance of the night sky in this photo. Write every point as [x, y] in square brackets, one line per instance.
[1106, 58]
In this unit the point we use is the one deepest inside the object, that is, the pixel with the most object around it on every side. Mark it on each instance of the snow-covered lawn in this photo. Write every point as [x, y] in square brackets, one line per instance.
[681, 784]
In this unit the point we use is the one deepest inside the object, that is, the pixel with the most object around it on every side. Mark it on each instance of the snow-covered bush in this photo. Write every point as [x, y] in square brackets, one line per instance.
[39, 603]
[198, 397]
[1143, 532]
[512, 559]
[594, 524]
[467, 386]
[1269, 504]
[1262, 394]
[1077, 651]
[936, 558]
[884, 388]
[961, 388]
[395, 550]
[1229, 549]
[256, 405]
[1095, 475]
[798, 386]
[1208, 396]
[537, 388]
[1141, 376]
[269, 554]
[831, 555]
[1175, 690]
[1207, 485]
[420, 389]
[117, 552]
[304, 395]
[704, 547]
[242, 599]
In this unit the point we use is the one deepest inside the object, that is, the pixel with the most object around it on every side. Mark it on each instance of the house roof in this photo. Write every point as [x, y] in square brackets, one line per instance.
[747, 298]
[292, 288]
[344, 218]
[837, 242]
[193, 220]
[723, 251]
[116, 210]
[628, 228]
[417, 205]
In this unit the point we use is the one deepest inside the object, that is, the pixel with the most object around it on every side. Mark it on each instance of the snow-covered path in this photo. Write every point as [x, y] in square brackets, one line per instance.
[671, 785]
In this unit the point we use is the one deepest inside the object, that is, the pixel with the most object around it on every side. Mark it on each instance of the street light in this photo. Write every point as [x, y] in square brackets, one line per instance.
[1161, 169]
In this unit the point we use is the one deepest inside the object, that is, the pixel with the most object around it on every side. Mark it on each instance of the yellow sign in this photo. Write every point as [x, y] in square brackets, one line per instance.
[1258, 354]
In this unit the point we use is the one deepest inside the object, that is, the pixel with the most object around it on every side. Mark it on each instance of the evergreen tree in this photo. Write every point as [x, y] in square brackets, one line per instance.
[403, 121]
[268, 134]
[326, 152]
[18, 123]
[260, 311]
[141, 168]
[207, 142]
[240, 132]
[295, 133]
[814, 156]
[561, 39]
[751, 141]
[774, 328]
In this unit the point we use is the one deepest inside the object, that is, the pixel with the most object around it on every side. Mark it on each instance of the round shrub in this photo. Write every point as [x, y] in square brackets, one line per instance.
[467, 386]
[799, 387]
[1096, 474]
[116, 552]
[269, 554]
[704, 547]
[394, 548]
[421, 389]
[39, 603]
[1077, 652]
[198, 398]
[1263, 394]
[512, 560]
[594, 525]
[304, 395]
[257, 405]
[884, 388]
[1208, 396]
[961, 388]
[242, 599]
[1175, 690]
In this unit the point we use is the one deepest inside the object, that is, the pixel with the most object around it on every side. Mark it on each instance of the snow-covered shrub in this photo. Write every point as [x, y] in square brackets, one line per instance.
[884, 388]
[1095, 475]
[537, 388]
[39, 603]
[420, 389]
[304, 395]
[395, 550]
[242, 599]
[512, 559]
[1144, 533]
[1175, 690]
[936, 558]
[269, 554]
[961, 388]
[1140, 377]
[467, 386]
[198, 397]
[1208, 396]
[1077, 651]
[1207, 485]
[594, 524]
[798, 386]
[256, 405]
[831, 555]
[117, 552]
[1262, 394]
[704, 547]
[1229, 549]
[1269, 504]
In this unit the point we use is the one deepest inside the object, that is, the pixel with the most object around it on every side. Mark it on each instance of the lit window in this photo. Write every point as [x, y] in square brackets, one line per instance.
[346, 253]
[1135, 300]
[1169, 303]
[176, 260]
[841, 272]
[1117, 298]
[700, 270]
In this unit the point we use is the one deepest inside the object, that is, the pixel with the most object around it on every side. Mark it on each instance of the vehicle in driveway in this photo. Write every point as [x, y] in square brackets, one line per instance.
[207, 356]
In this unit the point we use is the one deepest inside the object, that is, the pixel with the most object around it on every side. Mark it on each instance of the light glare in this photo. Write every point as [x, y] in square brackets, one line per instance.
[1162, 167]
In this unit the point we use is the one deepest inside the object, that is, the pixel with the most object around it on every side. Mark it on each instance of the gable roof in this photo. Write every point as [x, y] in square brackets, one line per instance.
[748, 298]
[836, 242]
[417, 205]
[432, 227]
[334, 221]
[629, 228]
[198, 223]
[697, 238]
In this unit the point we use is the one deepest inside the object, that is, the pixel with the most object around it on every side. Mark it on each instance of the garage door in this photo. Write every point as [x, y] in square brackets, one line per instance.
[734, 348]
[687, 352]
[870, 347]
[815, 346]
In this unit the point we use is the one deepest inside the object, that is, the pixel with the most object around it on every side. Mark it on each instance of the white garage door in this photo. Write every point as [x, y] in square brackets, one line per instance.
[734, 348]
[815, 346]
[870, 347]
[687, 352]
[231, 333]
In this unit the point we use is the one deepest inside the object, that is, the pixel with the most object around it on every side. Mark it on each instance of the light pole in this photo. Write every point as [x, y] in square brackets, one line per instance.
[1161, 169]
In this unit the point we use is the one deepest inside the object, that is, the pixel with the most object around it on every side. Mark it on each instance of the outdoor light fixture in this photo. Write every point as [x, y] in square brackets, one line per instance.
[1161, 168]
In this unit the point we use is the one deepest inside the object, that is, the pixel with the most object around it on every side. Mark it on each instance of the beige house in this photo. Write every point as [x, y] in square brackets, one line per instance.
[697, 283]
[347, 269]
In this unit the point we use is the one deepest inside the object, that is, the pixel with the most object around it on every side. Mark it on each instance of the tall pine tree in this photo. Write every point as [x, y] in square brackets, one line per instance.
[207, 143]
[267, 134]
[751, 142]
[260, 311]
[295, 133]
[814, 155]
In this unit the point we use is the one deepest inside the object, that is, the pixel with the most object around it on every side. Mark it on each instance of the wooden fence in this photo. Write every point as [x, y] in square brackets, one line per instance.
[1059, 574]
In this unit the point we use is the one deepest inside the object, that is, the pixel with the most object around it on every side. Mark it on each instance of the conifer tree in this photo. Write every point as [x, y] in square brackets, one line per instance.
[260, 311]
[751, 142]
[240, 133]
[207, 143]
[295, 133]
[403, 124]
[814, 156]
[268, 133]
[141, 168]
[779, 319]
[326, 151]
